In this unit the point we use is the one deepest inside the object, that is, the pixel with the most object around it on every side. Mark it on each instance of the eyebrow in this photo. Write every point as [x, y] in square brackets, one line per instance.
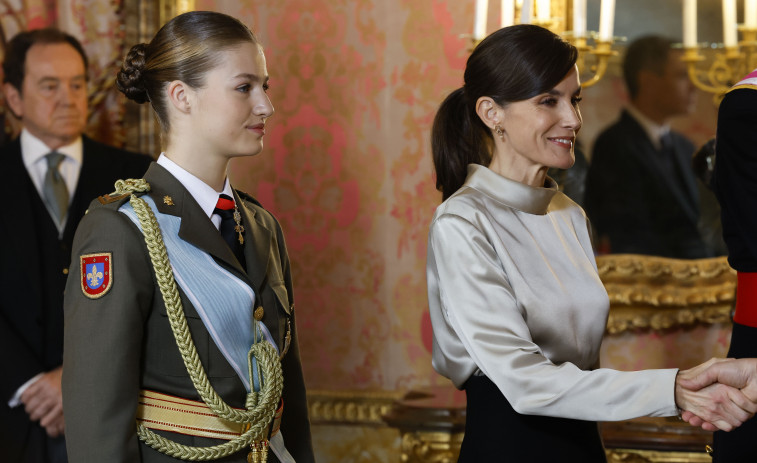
[58, 79]
[253, 77]
[555, 92]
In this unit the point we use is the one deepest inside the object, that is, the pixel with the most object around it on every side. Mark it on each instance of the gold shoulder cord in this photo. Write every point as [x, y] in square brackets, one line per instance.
[261, 405]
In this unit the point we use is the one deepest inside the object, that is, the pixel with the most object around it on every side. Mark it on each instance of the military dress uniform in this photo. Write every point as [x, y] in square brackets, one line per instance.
[119, 343]
[735, 185]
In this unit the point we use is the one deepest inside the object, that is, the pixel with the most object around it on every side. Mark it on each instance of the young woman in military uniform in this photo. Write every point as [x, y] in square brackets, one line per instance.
[180, 341]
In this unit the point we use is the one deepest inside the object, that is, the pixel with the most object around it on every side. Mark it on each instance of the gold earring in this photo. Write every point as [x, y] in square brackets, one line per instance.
[500, 132]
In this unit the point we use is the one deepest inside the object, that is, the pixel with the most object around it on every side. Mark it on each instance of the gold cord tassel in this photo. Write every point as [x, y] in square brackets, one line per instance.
[258, 452]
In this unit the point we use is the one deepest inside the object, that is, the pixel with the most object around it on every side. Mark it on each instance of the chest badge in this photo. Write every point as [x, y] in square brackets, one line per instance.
[96, 274]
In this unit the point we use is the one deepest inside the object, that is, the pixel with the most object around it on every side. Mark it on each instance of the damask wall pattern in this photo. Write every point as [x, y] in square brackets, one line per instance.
[347, 170]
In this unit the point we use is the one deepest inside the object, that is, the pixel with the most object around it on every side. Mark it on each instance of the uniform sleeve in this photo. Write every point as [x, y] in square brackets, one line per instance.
[103, 342]
[295, 424]
[736, 176]
[478, 323]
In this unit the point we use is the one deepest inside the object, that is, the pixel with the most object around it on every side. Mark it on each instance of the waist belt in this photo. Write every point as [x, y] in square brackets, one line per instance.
[165, 412]
[746, 299]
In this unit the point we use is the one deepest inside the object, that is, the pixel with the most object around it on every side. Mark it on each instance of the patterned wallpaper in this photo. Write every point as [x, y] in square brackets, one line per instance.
[347, 167]
[347, 170]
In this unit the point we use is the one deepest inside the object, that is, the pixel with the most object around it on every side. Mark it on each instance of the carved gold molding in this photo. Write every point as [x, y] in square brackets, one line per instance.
[657, 293]
[351, 407]
[650, 456]
[430, 447]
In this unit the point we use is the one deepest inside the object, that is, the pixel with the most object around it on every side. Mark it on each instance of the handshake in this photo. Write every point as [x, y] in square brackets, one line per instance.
[720, 394]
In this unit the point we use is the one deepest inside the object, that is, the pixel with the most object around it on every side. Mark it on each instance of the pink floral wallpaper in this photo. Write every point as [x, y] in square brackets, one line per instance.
[347, 170]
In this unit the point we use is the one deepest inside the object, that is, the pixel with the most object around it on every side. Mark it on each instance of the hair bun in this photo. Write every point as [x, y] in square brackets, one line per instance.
[130, 79]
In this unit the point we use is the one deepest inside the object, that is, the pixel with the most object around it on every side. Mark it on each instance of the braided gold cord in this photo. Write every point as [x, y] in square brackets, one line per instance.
[261, 406]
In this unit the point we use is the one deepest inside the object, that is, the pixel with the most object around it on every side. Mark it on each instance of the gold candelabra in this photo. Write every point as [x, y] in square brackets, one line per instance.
[728, 65]
[594, 53]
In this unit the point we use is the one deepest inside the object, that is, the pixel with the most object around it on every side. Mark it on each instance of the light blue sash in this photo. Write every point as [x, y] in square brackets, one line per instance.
[224, 302]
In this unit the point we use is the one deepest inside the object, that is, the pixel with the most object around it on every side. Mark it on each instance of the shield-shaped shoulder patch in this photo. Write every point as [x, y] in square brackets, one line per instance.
[96, 274]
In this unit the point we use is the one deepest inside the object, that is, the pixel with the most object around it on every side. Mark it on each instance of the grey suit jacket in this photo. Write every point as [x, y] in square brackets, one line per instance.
[122, 342]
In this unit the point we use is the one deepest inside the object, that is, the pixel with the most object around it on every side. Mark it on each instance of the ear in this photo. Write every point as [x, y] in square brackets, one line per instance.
[180, 96]
[489, 112]
[14, 100]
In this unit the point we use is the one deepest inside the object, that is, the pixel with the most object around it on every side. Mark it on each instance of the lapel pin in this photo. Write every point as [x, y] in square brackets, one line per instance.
[167, 200]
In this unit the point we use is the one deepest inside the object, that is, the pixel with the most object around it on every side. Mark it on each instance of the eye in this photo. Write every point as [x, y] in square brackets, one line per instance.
[575, 100]
[266, 86]
[549, 101]
[243, 88]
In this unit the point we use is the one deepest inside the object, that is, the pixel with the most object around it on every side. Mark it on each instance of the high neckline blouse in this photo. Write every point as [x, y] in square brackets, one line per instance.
[526, 198]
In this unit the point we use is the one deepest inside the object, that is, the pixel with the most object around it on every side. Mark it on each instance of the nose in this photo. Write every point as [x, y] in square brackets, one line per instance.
[572, 118]
[263, 106]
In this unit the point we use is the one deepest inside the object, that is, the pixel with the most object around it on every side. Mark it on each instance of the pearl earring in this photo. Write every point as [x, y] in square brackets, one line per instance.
[500, 132]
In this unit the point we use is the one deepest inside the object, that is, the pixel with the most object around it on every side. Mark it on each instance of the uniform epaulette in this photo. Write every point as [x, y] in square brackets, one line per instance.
[111, 198]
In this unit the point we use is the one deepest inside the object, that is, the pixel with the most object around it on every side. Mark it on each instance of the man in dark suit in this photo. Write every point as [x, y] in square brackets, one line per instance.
[50, 174]
[641, 191]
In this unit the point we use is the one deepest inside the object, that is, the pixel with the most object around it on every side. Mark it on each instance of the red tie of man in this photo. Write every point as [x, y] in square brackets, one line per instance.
[225, 209]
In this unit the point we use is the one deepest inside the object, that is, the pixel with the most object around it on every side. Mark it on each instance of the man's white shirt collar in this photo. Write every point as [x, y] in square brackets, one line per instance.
[33, 151]
[203, 193]
[653, 130]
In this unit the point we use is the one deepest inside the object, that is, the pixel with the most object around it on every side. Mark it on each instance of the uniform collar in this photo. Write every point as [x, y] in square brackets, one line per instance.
[526, 198]
[203, 193]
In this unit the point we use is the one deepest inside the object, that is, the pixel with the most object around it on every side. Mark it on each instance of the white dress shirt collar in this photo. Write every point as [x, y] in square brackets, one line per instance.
[653, 130]
[33, 151]
[203, 193]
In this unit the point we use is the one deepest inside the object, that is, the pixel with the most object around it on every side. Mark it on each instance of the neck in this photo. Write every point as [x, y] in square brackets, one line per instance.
[507, 167]
[209, 169]
[650, 110]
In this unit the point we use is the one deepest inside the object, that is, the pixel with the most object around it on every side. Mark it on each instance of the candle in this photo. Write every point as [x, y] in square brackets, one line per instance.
[750, 14]
[689, 23]
[543, 12]
[479, 29]
[507, 16]
[606, 20]
[579, 18]
[525, 12]
[730, 38]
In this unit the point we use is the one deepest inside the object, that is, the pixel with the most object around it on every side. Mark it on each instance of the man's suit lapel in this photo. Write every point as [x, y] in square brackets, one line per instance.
[650, 158]
[16, 183]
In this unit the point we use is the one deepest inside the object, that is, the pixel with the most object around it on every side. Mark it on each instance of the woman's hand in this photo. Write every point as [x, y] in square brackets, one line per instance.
[718, 394]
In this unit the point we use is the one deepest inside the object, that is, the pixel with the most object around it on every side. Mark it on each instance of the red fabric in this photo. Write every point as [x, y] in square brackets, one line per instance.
[225, 204]
[746, 299]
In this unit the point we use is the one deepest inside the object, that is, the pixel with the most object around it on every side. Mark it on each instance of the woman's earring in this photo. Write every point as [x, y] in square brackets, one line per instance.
[500, 132]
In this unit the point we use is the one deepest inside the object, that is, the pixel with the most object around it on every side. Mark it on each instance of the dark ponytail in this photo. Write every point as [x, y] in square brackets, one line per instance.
[458, 138]
[513, 64]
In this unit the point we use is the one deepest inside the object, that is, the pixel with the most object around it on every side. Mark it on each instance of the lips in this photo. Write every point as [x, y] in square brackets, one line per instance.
[566, 142]
[259, 128]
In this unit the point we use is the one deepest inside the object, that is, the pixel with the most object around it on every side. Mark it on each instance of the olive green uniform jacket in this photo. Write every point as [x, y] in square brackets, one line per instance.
[122, 342]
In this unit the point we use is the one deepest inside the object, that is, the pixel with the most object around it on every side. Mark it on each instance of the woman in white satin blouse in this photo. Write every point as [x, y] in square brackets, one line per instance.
[517, 307]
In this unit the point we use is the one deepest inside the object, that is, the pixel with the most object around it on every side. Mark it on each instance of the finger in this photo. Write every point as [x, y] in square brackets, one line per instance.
[709, 427]
[52, 417]
[701, 380]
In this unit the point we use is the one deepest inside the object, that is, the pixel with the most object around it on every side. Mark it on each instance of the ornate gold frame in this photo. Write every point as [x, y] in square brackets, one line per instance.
[656, 293]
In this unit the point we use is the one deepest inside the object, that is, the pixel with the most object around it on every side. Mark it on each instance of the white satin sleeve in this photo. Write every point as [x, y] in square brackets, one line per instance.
[479, 325]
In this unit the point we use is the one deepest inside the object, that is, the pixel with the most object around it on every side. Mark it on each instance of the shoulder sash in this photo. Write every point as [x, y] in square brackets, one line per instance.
[749, 81]
[224, 302]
